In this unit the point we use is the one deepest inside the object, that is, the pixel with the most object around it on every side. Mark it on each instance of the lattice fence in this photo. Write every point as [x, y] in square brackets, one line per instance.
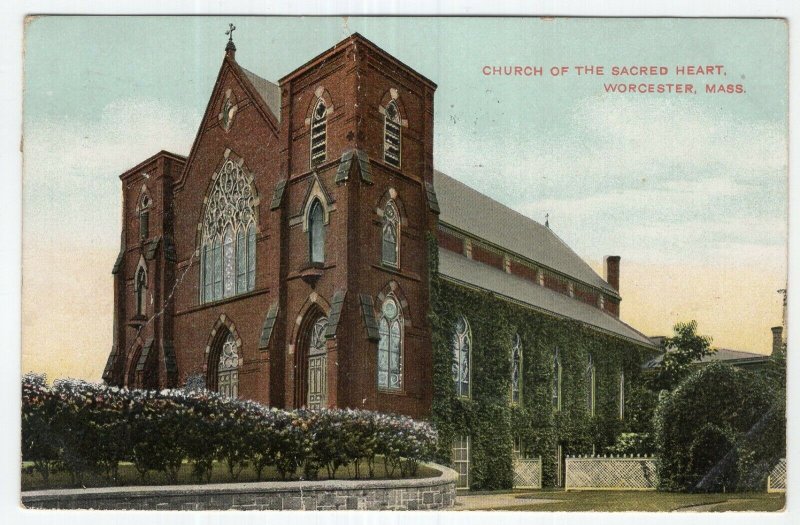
[776, 482]
[610, 472]
[528, 473]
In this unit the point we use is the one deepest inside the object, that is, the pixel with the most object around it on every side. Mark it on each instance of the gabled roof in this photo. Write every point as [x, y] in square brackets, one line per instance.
[722, 354]
[148, 160]
[465, 271]
[258, 89]
[726, 354]
[473, 212]
[270, 93]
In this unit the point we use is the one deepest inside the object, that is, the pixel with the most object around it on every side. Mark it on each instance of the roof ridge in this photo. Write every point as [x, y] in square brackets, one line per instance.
[539, 226]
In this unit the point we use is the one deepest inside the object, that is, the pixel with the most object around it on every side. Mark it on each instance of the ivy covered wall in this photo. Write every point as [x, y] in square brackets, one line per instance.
[489, 417]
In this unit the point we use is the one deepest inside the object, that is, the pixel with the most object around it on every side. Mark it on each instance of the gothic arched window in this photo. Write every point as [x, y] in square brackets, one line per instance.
[144, 216]
[319, 130]
[462, 355]
[516, 370]
[391, 135]
[228, 236]
[140, 286]
[228, 368]
[390, 346]
[316, 232]
[556, 395]
[228, 270]
[590, 386]
[390, 236]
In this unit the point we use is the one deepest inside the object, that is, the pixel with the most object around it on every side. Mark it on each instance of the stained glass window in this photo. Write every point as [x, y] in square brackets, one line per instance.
[462, 348]
[228, 270]
[227, 257]
[390, 345]
[208, 272]
[144, 217]
[516, 369]
[316, 233]
[390, 246]
[590, 386]
[241, 260]
[141, 291]
[217, 254]
[251, 256]
[391, 135]
[556, 397]
[319, 128]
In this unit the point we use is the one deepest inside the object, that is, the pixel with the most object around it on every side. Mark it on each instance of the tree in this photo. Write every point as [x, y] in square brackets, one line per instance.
[680, 351]
[720, 429]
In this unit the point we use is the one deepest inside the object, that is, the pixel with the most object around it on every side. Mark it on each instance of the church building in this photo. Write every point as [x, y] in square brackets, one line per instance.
[306, 254]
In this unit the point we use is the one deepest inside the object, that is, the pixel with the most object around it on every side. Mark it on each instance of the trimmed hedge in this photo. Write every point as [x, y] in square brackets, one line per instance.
[84, 427]
[723, 428]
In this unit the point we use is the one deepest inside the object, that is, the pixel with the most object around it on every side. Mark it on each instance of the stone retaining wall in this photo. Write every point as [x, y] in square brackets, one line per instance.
[404, 494]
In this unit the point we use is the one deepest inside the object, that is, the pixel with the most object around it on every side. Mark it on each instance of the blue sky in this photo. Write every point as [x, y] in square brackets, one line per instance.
[689, 189]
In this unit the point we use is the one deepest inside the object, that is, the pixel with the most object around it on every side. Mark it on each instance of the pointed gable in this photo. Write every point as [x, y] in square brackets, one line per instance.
[246, 88]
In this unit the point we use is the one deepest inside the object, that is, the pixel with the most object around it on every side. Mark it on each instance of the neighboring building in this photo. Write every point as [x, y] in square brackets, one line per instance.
[292, 259]
[737, 358]
[740, 358]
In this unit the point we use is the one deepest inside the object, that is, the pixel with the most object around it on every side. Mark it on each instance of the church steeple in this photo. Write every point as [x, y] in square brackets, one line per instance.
[230, 49]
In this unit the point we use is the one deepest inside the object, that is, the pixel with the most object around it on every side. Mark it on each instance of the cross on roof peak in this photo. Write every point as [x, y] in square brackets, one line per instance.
[231, 46]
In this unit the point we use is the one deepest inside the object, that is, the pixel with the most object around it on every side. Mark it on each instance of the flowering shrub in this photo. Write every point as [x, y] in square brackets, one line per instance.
[85, 427]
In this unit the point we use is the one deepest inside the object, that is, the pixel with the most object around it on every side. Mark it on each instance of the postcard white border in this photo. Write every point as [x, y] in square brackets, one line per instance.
[11, 24]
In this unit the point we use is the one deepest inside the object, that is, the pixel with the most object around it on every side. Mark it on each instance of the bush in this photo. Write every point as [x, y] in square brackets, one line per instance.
[707, 430]
[85, 427]
[39, 437]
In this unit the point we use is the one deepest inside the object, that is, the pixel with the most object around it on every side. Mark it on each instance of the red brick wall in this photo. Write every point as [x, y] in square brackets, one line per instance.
[487, 257]
[523, 270]
[612, 306]
[555, 283]
[356, 79]
[450, 242]
[586, 296]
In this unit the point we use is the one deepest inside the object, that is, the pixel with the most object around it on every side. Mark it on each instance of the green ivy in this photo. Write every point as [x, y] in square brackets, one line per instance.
[493, 422]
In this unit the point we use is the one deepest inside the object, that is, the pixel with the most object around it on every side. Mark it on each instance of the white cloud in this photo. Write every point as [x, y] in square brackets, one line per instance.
[610, 140]
[660, 178]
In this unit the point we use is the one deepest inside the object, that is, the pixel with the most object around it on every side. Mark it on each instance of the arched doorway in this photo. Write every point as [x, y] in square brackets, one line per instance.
[312, 363]
[223, 365]
[228, 368]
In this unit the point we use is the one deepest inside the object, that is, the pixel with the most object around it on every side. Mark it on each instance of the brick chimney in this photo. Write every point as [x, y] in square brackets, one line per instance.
[777, 338]
[612, 270]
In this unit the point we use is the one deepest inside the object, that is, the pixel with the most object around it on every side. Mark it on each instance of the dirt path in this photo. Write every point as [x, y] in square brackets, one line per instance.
[711, 507]
[493, 501]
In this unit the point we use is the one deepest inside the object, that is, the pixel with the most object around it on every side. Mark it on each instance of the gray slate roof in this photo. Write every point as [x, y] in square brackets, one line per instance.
[722, 354]
[462, 270]
[473, 212]
[270, 93]
[726, 354]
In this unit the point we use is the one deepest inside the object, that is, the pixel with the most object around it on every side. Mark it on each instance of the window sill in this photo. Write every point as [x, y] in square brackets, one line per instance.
[224, 301]
[401, 392]
[310, 269]
[137, 321]
[396, 271]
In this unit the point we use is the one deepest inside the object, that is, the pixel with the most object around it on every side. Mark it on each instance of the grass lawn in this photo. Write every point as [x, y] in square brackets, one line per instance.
[650, 501]
[129, 476]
